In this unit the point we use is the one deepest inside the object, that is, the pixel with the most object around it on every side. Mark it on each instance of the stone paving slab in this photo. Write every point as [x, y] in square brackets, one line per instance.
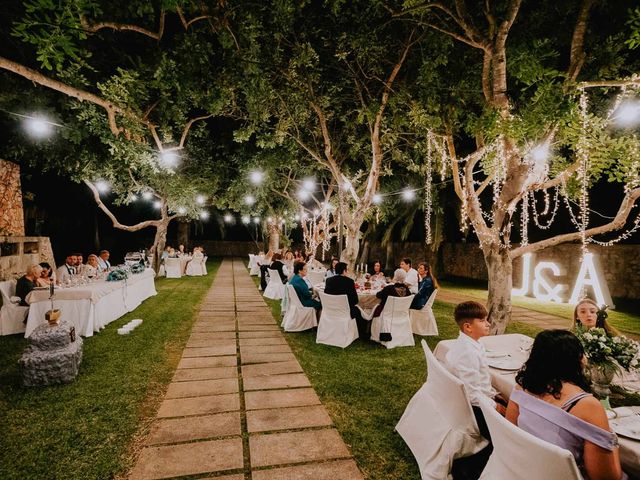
[261, 334]
[213, 328]
[239, 476]
[174, 430]
[275, 368]
[256, 320]
[334, 470]
[263, 341]
[270, 382]
[201, 343]
[198, 388]
[205, 362]
[287, 418]
[247, 349]
[297, 397]
[229, 349]
[182, 407]
[267, 357]
[296, 447]
[212, 336]
[258, 328]
[208, 373]
[189, 459]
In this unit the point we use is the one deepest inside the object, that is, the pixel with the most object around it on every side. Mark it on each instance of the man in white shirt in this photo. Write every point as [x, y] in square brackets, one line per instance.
[411, 279]
[467, 359]
[103, 260]
[66, 271]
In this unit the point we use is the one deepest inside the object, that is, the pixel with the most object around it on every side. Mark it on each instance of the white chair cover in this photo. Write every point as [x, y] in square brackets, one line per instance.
[275, 287]
[394, 317]
[336, 326]
[423, 321]
[518, 455]
[298, 317]
[204, 265]
[195, 268]
[172, 267]
[438, 424]
[12, 315]
[315, 277]
[254, 265]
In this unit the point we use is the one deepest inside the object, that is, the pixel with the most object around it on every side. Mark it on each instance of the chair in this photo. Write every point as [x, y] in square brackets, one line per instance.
[518, 455]
[315, 277]
[275, 287]
[423, 321]
[12, 314]
[172, 267]
[204, 265]
[336, 326]
[298, 317]
[254, 265]
[438, 424]
[195, 268]
[395, 315]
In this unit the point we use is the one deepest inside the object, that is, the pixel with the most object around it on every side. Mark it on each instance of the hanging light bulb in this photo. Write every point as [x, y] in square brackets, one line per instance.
[269, 219]
[309, 184]
[377, 199]
[157, 204]
[200, 199]
[256, 220]
[245, 219]
[204, 214]
[627, 115]
[147, 195]
[102, 186]
[228, 218]
[38, 127]
[408, 194]
[169, 158]
[296, 217]
[182, 210]
[133, 197]
[249, 200]
[256, 177]
[304, 195]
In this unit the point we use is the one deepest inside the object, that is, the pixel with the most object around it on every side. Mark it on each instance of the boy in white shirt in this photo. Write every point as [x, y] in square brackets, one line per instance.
[467, 359]
[411, 278]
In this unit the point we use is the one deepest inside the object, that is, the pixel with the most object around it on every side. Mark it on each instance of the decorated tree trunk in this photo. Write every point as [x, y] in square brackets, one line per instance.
[159, 242]
[273, 232]
[500, 269]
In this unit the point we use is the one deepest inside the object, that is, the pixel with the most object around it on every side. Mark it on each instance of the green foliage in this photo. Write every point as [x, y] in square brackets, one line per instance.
[634, 25]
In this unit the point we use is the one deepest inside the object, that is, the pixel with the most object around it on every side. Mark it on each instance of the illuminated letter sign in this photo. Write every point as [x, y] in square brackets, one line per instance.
[542, 289]
[526, 276]
[588, 277]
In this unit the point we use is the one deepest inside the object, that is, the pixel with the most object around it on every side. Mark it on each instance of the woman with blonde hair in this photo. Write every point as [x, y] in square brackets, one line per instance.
[588, 315]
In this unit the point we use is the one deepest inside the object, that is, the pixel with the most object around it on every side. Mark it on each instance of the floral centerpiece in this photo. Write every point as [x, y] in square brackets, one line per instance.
[117, 275]
[607, 355]
[137, 268]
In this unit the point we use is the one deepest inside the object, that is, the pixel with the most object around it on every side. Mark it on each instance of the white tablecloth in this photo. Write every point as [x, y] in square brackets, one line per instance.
[514, 344]
[91, 307]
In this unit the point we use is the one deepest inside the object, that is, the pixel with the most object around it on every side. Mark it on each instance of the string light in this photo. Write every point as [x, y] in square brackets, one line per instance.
[204, 215]
[182, 210]
[427, 195]
[249, 200]
[245, 219]
[169, 158]
[256, 177]
[408, 194]
[133, 197]
[525, 220]
[228, 218]
[157, 204]
[102, 186]
[377, 199]
[200, 199]
[147, 195]
[38, 127]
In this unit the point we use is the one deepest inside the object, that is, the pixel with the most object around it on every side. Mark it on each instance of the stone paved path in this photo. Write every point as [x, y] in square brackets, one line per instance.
[239, 406]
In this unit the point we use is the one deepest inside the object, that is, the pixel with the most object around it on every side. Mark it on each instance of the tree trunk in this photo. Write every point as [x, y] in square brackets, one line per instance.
[96, 233]
[159, 242]
[273, 231]
[351, 247]
[184, 230]
[500, 269]
[388, 264]
[364, 256]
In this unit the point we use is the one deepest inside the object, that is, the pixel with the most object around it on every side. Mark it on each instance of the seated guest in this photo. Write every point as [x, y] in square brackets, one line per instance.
[412, 275]
[103, 260]
[588, 315]
[393, 290]
[276, 264]
[165, 253]
[427, 283]
[80, 267]
[331, 271]
[66, 271]
[341, 284]
[467, 360]
[181, 252]
[46, 276]
[27, 282]
[302, 290]
[264, 265]
[378, 274]
[92, 267]
[551, 401]
[288, 261]
[172, 253]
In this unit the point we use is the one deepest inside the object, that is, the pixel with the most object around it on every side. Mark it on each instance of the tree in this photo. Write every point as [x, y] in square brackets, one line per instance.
[531, 125]
[135, 100]
[328, 80]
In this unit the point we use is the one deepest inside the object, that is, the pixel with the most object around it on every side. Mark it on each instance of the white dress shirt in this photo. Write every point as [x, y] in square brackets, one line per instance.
[64, 272]
[412, 280]
[467, 360]
[103, 264]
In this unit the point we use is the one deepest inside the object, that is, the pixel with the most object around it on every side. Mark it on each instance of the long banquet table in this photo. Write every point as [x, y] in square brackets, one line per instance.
[93, 306]
[513, 349]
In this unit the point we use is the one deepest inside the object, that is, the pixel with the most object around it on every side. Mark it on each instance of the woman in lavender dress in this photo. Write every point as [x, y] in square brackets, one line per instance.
[551, 401]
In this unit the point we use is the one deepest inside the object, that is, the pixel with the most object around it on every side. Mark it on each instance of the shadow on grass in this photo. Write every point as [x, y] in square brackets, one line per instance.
[85, 430]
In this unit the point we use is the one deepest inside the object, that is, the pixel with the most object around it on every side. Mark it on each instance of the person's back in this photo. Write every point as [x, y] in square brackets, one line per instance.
[342, 285]
[551, 402]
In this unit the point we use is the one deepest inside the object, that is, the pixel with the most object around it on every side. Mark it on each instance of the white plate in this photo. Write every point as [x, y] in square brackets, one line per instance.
[627, 426]
[505, 363]
[491, 354]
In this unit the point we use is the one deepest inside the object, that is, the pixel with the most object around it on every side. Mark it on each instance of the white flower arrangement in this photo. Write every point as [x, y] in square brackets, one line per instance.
[609, 352]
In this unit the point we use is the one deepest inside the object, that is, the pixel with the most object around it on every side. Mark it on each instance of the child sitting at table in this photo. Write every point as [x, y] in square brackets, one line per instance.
[467, 360]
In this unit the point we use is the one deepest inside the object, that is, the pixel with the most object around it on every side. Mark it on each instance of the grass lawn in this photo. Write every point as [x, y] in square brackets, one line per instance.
[366, 389]
[90, 428]
[625, 317]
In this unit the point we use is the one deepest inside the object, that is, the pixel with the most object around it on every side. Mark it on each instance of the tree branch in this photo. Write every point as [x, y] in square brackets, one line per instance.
[187, 127]
[576, 57]
[635, 80]
[95, 27]
[617, 223]
[114, 220]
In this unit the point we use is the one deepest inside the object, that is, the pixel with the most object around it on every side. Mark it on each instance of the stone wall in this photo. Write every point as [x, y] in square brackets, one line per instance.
[17, 253]
[11, 214]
